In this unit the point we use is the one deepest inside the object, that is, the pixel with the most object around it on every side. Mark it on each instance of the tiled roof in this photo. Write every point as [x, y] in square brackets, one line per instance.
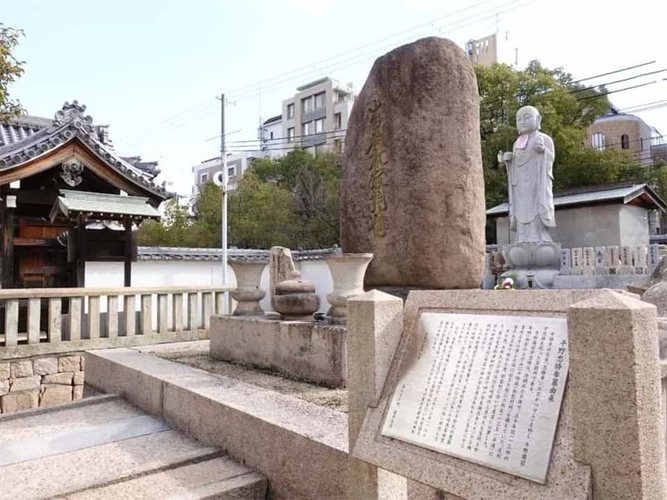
[75, 202]
[625, 194]
[68, 123]
[215, 254]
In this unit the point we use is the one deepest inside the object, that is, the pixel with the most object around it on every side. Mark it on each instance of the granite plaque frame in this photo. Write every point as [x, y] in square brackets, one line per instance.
[452, 474]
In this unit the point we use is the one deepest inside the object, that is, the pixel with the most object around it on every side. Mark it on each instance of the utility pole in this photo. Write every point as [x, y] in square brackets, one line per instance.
[223, 157]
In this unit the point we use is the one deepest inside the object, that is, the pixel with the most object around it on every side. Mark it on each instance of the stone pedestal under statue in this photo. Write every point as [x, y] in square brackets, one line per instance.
[532, 264]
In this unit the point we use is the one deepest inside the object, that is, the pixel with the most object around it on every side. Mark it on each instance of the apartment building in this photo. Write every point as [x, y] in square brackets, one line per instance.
[483, 51]
[237, 164]
[314, 119]
[626, 132]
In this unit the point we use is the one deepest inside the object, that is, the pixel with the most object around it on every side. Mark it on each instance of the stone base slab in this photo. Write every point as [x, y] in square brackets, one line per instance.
[315, 352]
[596, 281]
[300, 447]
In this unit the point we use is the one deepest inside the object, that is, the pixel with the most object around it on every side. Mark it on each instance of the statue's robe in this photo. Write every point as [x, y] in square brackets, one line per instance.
[530, 188]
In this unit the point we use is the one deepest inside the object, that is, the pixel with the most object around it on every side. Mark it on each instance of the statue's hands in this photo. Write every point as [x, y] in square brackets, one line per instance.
[539, 147]
[507, 157]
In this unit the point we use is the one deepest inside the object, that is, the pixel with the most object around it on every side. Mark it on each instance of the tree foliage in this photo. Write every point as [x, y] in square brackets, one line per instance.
[10, 70]
[291, 201]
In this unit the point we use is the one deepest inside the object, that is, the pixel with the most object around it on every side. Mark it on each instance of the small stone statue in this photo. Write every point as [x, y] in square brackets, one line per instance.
[530, 179]
[291, 297]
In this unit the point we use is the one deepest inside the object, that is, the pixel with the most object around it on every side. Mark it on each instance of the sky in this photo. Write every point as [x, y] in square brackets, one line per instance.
[151, 69]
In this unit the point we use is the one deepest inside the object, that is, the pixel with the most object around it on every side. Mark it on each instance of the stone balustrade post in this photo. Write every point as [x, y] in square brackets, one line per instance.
[614, 383]
[374, 329]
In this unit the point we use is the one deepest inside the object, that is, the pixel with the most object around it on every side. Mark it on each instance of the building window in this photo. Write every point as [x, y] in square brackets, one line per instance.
[231, 171]
[308, 128]
[203, 178]
[271, 135]
[307, 104]
[625, 141]
[338, 121]
[290, 134]
[319, 126]
[290, 111]
[319, 100]
[599, 141]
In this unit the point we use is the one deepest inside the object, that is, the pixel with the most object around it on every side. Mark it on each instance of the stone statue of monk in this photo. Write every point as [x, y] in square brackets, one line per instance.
[530, 179]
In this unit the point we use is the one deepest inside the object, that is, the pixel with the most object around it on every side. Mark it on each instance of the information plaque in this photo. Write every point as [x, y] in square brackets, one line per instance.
[483, 388]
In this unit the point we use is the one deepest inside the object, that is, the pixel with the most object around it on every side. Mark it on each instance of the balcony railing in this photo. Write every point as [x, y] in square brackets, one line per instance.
[51, 320]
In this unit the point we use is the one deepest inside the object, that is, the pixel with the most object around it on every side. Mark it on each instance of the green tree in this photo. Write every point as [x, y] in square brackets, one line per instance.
[314, 182]
[174, 230]
[10, 70]
[260, 214]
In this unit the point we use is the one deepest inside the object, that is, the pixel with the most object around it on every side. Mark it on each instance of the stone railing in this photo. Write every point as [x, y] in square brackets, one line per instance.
[56, 320]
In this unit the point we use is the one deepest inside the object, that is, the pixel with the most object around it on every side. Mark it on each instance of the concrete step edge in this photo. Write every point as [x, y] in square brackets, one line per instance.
[198, 458]
[92, 400]
[247, 486]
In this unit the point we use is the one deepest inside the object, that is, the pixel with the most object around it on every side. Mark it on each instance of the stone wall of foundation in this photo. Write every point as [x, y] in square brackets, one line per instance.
[40, 382]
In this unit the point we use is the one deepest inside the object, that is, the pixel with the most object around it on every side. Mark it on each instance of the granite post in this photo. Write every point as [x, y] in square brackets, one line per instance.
[616, 399]
[375, 323]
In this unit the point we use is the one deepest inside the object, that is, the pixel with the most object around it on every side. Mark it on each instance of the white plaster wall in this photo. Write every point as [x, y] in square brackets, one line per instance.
[156, 273]
[598, 225]
[634, 227]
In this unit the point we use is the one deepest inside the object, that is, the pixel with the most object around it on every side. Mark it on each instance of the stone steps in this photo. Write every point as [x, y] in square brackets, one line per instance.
[105, 448]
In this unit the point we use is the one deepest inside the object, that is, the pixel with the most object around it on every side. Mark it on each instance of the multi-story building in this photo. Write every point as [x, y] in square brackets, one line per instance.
[315, 119]
[483, 51]
[237, 164]
[626, 132]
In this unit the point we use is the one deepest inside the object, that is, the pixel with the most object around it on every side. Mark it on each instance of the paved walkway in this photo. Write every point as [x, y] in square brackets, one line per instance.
[104, 448]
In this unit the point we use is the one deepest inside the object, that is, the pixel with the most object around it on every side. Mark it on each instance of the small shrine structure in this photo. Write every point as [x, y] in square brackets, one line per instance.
[66, 197]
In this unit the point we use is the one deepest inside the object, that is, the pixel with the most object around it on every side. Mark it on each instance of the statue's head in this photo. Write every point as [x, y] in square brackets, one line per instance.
[528, 120]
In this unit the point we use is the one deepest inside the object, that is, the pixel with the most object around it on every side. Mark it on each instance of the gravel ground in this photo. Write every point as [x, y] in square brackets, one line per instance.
[336, 399]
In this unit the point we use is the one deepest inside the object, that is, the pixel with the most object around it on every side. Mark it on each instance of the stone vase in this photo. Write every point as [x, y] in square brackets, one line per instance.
[347, 271]
[247, 293]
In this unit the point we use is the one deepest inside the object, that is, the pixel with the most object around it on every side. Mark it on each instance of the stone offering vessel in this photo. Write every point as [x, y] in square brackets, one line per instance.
[248, 293]
[412, 190]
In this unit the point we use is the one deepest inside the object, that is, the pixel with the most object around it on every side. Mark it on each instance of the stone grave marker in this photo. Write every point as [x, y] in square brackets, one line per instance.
[653, 256]
[626, 261]
[613, 260]
[600, 260]
[588, 258]
[412, 187]
[577, 261]
[565, 261]
[640, 257]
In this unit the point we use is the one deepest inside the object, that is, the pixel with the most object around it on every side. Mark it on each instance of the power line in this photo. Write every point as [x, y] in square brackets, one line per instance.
[251, 93]
[617, 81]
[358, 48]
[602, 94]
[614, 72]
[182, 120]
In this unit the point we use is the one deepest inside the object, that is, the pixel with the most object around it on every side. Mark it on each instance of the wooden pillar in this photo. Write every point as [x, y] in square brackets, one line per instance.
[81, 252]
[128, 251]
[7, 265]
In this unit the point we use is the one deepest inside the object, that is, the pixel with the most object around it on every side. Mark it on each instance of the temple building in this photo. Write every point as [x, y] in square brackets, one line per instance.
[66, 197]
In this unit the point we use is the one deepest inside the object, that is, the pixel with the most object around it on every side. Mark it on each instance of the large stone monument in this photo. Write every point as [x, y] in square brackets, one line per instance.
[412, 182]
[533, 258]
